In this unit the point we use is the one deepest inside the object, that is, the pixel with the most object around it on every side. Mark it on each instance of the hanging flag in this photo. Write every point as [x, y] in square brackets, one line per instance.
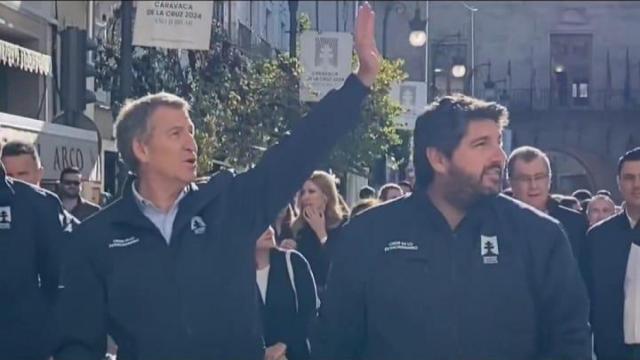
[627, 79]
[609, 85]
[509, 73]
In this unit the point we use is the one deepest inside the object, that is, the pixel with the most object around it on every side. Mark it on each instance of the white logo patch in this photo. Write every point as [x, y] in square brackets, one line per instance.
[5, 217]
[489, 249]
[123, 242]
[401, 245]
[198, 225]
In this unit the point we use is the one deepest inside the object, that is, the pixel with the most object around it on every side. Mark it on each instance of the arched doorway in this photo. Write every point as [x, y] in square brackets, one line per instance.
[569, 173]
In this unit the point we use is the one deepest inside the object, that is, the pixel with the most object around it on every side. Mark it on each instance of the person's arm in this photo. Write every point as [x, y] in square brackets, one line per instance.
[564, 304]
[81, 313]
[341, 328]
[269, 186]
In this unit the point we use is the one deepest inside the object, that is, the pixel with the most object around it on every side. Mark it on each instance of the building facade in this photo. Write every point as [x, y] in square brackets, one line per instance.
[30, 54]
[568, 71]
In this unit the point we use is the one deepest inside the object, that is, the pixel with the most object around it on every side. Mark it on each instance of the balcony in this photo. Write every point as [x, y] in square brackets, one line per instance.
[547, 99]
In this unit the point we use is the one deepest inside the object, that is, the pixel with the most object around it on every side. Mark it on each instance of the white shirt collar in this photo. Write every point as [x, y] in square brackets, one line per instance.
[631, 221]
[145, 204]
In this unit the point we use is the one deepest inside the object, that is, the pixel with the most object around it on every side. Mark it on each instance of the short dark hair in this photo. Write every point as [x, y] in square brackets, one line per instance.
[582, 194]
[444, 124]
[133, 122]
[631, 155]
[406, 183]
[526, 154]
[17, 148]
[569, 202]
[367, 192]
[69, 170]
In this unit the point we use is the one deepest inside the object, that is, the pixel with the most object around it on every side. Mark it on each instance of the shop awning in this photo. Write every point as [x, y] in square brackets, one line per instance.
[22, 58]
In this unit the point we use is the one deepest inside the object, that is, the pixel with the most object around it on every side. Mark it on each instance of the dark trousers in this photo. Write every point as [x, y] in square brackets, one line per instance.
[635, 351]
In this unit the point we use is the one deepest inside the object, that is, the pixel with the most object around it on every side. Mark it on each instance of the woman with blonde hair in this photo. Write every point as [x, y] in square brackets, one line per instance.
[321, 212]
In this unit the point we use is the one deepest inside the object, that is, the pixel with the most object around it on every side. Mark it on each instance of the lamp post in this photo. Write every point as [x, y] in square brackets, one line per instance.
[457, 70]
[472, 11]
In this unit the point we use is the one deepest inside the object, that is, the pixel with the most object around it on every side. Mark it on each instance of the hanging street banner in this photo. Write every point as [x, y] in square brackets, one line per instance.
[412, 96]
[173, 24]
[326, 62]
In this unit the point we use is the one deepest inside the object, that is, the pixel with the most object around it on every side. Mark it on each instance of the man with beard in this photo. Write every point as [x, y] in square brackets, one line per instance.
[71, 194]
[454, 271]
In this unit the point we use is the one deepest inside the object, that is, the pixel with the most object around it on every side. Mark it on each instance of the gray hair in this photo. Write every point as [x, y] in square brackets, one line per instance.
[526, 154]
[133, 122]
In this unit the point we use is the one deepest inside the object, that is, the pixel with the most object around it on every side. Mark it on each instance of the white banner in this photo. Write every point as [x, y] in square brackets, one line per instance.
[326, 62]
[173, 24]
[412, 96]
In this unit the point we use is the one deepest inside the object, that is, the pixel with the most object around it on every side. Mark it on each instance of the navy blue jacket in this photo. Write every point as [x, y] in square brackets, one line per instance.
[195, 298]
[31, 240]
[575, 224]
[503, 285]
[609, 244]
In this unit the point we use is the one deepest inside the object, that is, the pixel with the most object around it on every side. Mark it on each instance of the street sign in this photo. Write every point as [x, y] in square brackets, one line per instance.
[173, 24]
[412, 96]
[326, 62]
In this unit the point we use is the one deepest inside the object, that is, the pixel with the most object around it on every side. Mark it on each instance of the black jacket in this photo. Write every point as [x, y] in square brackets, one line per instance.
[194, 298]
[281, 321]
[575, 224]
[84, 209]
[402, 285]
[609, 244]
[31, 240]
[318, 254]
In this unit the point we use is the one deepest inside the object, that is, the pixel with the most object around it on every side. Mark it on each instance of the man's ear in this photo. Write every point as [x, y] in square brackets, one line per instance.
[140, 150]
[439, 161]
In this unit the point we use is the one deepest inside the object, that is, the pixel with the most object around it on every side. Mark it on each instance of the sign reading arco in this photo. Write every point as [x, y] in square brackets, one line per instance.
[59, 146]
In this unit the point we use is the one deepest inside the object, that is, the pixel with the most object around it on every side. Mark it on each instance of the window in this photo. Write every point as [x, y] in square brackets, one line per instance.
[283, 35]
[580, 92]
[571, 68]
[267, 25]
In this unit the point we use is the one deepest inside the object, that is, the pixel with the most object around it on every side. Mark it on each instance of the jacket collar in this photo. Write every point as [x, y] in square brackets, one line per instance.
[6, 189]
[480, 214]
[198, 196]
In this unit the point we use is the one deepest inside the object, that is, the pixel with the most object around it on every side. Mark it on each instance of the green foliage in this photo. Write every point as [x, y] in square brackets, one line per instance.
[241, 107]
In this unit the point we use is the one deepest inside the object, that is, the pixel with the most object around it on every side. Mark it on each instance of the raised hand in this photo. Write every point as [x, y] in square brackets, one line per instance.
[365, 43]
[315, 219]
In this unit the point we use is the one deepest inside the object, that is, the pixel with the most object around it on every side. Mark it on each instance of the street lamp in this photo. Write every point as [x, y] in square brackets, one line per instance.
[418, 35]
[472, 11]
[459, 69]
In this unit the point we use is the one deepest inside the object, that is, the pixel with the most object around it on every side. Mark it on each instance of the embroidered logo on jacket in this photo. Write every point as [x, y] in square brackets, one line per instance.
[123, 242]
[489, 249]
[5, 217]
[198, 226]
[401, 245]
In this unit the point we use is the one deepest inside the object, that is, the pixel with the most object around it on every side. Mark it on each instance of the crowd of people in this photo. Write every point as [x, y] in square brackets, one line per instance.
[274, 264]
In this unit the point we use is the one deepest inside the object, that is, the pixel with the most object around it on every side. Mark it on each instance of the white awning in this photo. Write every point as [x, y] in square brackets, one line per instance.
[28, 60]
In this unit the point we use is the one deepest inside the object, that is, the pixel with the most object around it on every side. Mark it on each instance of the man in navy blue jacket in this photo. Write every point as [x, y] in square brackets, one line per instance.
[168, 270]
[32, 225]
[613, 278]
[454, 271]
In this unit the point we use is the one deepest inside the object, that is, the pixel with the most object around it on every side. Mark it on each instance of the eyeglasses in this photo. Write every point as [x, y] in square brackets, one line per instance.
[71, 182]
[538, 178]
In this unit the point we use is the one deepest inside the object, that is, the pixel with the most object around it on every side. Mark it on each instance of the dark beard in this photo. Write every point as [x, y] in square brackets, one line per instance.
[464, 190]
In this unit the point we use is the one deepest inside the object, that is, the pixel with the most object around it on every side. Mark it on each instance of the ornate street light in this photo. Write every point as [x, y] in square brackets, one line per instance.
[459, 69]
[418, 35]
